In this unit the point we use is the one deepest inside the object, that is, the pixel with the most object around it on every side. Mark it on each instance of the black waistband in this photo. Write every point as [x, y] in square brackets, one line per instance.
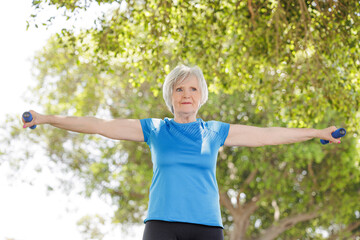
[193, 224]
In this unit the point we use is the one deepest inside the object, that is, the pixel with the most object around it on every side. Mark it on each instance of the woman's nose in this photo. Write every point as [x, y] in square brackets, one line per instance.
[186, 93]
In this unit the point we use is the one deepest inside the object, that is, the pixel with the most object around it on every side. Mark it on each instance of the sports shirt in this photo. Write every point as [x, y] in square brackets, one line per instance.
[184, 155]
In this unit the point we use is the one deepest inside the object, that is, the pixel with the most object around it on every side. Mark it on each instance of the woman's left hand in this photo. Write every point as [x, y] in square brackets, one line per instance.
[326, 134]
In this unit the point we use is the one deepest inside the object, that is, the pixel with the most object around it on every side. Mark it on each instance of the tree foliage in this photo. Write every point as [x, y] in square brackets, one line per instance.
[267, 63]
[299, 51]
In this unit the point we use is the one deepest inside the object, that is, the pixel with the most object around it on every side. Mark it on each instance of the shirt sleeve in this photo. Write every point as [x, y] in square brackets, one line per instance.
[222, 130]
[146, 125]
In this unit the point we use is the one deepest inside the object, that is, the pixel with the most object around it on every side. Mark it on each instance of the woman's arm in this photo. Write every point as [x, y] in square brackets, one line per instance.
[248, 136]
[120, 129]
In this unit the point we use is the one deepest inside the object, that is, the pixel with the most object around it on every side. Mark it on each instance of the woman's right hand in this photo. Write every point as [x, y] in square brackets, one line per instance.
[37, 119]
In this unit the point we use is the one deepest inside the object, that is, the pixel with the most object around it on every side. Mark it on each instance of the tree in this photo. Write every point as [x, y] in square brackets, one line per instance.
[265, 44]
[89, 227]
[278, 63]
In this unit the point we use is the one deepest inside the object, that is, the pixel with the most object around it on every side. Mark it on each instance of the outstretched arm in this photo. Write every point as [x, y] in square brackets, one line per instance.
[120, 129]
[249, 136]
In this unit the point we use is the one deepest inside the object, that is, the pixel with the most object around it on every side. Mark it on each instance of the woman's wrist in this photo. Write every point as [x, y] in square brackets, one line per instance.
[44, 119]
[316, 133]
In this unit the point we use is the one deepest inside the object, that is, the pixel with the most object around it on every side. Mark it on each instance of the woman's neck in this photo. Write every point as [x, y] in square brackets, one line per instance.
[182, 118]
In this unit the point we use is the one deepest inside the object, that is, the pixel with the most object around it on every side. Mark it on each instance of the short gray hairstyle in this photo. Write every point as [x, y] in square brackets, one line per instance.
[178, 75]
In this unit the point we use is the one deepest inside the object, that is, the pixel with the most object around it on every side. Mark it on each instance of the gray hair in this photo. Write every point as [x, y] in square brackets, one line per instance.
[178, 75]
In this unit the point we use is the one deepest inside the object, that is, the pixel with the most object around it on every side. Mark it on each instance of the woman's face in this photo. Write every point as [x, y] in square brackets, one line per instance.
[186, 96]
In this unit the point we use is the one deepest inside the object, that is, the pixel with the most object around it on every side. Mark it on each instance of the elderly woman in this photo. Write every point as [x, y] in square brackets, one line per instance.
[184, 197]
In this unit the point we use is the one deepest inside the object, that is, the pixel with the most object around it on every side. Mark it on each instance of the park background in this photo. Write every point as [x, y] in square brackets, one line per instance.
[27, 210]
[267, 63]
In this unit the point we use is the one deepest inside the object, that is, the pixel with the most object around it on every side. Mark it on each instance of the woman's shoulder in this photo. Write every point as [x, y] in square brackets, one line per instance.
[216, 125]
[153, 122]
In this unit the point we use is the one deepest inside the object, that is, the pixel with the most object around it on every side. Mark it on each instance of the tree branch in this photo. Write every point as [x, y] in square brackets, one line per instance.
[277, 210]
[317, 5]
[133, 195]
[226, 202]
[248, 180]
[252, 14]
[284, 224]
[303, 16]
[250, 207]
[353, 226]
[312, 174]
[349, 228]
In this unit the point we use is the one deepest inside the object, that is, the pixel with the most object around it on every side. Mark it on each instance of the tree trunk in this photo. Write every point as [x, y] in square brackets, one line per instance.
[239, 230]
[241, 214]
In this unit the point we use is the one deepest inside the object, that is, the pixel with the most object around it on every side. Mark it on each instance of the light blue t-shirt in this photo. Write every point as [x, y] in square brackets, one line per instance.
[184, 187]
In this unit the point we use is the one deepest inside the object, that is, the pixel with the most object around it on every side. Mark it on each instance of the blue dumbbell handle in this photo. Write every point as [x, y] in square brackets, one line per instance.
[28, 118]
[337, 134]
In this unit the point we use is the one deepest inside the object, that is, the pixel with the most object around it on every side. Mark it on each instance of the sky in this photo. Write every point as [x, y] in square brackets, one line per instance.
[27, 210]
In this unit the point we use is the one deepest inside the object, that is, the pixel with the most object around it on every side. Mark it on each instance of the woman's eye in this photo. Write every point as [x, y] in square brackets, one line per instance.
[180, 89]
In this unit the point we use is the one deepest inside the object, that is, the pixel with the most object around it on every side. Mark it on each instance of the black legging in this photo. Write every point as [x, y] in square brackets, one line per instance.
[161, 230]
